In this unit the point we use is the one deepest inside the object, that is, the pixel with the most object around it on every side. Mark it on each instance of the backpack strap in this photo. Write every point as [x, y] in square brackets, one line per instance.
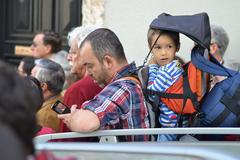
[211, 65]
[152, 109]
[132, 78]
[151, 113]
[232, 105]
[187, 92]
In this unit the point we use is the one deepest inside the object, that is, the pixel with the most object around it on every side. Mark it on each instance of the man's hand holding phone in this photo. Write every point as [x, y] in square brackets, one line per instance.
[60, 108]
[64, 112]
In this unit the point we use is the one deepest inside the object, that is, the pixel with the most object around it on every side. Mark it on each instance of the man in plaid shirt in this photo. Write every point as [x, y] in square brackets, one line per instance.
[120, 105]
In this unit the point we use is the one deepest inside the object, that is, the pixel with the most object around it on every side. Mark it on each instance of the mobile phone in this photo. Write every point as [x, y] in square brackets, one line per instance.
[60, 108]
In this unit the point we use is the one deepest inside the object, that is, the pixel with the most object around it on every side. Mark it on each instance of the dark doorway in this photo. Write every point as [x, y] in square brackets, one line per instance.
[20, 20]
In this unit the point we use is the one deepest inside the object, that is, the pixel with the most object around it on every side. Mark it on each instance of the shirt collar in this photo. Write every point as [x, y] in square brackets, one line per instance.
[124, 71]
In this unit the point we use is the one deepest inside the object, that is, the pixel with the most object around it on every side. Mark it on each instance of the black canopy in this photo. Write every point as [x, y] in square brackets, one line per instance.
[195, 26]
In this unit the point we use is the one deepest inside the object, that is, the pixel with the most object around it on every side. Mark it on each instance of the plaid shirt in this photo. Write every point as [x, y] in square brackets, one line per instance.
[120, 105]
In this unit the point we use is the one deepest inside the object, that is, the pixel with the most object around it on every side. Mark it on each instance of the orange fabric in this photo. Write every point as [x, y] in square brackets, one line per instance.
[195, 81]
[195, 78]
[133, 79]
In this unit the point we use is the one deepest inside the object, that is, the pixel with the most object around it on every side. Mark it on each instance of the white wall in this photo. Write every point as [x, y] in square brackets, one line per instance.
[130, 20]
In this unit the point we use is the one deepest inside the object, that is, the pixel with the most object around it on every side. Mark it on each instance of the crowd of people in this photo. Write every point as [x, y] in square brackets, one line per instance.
[90, 79]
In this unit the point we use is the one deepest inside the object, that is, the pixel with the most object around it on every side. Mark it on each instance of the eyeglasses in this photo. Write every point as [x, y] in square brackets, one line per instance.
[216, 44]
[34, 44]
[72, 52]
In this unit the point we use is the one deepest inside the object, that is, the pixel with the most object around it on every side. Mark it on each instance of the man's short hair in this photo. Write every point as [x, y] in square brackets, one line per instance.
[220, 37]
[51, 73]
[53, 39]
[28, 64]
[104, 41]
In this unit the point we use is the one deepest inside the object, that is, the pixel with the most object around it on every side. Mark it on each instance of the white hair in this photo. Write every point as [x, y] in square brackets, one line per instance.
[79, 34]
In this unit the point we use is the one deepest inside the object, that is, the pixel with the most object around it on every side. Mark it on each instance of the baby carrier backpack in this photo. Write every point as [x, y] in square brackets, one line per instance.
[190, 93]
[184, 95]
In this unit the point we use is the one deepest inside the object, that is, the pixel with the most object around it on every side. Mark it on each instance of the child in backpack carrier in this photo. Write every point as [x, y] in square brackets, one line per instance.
[164, 71]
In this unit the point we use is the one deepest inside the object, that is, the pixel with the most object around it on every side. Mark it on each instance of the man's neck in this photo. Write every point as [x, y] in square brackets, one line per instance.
[120, 66]
[48, 95]
[118, 69]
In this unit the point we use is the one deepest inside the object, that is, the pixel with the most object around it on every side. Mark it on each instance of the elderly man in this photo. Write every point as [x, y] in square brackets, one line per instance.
[51, 76]
[120, 105]
[85, 88]
[219, 44]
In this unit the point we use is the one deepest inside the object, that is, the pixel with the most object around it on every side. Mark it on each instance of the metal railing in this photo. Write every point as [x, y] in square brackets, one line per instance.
[111, 134]
[136, 151]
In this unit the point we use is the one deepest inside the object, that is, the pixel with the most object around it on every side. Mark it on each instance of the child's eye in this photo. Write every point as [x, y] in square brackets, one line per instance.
[157, 47]
[170, 46]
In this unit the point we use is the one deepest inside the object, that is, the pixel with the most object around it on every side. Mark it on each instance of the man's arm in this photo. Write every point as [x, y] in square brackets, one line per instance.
[81, 120]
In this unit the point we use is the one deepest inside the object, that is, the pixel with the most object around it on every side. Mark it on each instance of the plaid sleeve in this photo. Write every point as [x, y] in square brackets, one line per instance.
[110, 104]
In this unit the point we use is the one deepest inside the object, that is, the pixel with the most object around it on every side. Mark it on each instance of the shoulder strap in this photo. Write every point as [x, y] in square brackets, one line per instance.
[187, 92]
[211, 65]
[143, 76]
[132, 78]
[150, 109]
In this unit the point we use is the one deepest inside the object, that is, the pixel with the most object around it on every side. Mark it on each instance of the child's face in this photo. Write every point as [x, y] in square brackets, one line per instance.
[164, 50]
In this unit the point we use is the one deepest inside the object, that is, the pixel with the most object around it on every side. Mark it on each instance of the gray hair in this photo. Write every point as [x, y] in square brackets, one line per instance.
[79, 34]
[51, 73]
[220, 37]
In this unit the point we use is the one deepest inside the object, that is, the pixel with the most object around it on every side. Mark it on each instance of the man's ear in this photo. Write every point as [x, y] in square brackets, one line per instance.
[48, 48]
[213, 48]
[108, 61]
[44, 86]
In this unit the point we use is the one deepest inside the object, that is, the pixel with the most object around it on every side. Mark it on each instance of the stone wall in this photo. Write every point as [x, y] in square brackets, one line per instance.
[93, 12]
